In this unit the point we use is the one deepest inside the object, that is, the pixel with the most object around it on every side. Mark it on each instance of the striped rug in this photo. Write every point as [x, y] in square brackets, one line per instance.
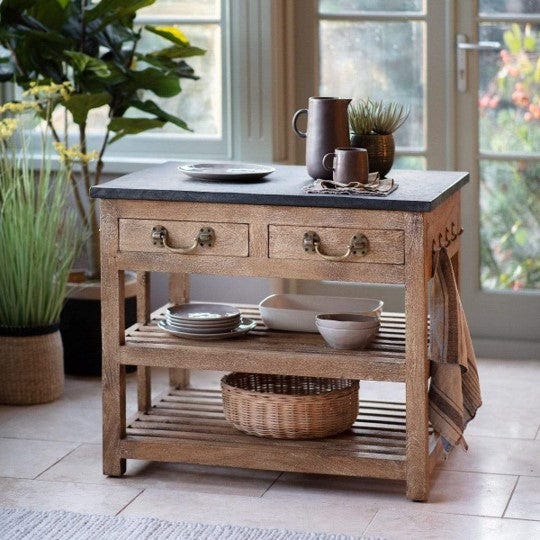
[24, 524]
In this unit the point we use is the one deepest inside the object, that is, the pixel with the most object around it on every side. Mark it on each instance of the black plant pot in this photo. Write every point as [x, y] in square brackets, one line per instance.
[80, 326]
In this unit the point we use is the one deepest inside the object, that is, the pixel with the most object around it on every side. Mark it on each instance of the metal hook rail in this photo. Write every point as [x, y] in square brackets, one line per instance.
[450, 235]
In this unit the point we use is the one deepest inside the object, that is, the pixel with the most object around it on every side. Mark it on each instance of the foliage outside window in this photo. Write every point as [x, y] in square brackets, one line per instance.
[510, 190]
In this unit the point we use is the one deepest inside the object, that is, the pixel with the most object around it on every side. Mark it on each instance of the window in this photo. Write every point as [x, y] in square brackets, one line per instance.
[202, 103]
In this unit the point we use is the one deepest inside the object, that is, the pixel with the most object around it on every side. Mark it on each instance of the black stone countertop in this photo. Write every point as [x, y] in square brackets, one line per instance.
[418, 191]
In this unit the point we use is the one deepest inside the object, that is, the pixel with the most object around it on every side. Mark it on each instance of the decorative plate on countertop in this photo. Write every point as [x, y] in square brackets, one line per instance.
[226, 171]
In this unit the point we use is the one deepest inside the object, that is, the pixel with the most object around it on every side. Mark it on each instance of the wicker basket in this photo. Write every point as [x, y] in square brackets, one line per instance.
[288, 407]
[32, 368]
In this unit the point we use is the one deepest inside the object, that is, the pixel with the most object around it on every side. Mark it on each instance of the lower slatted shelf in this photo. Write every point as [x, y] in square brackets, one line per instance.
[189, 425]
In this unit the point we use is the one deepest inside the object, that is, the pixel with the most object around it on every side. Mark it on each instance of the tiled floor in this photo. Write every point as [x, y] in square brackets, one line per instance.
[50, 458]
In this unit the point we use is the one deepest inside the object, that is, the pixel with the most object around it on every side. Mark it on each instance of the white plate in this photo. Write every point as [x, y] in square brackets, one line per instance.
[243, 328]
[226, 171]
[206, 329]
[202, 313]
[297, 312]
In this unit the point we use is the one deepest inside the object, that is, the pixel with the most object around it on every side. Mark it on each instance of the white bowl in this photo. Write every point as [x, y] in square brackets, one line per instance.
[348, 338]
[297, 312]
[343, 321]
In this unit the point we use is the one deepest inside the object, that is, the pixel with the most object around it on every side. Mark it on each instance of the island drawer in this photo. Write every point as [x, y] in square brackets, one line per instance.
[383, 246]
[184, 237]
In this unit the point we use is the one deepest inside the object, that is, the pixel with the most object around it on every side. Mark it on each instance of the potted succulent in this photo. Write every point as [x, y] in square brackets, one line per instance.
[91, 50]
[372, 126]
[40, 239]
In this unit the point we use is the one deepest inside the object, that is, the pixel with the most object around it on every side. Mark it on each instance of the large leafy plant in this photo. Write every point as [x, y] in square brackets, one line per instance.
[90, 50]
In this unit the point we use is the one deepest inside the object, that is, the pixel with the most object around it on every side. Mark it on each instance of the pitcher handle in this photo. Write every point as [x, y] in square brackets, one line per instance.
[297, 114]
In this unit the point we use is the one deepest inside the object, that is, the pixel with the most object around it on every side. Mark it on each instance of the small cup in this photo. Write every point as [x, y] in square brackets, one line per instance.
[348, 165]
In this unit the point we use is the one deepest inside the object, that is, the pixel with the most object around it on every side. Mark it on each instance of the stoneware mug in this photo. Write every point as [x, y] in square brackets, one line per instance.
[348, 165]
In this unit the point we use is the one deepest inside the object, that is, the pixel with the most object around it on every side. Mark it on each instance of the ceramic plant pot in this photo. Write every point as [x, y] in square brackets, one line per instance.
[31, 364]
[380, 149]
[80, 324]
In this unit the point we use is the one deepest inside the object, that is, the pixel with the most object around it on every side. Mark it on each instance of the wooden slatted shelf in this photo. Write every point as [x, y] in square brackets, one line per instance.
[191, 426]
[270, 351]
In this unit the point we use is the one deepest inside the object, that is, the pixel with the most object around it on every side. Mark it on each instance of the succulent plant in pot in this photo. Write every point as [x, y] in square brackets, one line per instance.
[39, 240]
[372, 126]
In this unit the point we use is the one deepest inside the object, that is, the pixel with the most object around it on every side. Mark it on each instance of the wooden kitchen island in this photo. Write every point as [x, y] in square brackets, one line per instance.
[265, 229]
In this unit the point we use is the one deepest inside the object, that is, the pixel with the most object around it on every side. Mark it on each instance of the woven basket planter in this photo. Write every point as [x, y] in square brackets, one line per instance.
[288, 407]
[380, 149]
[31, 366]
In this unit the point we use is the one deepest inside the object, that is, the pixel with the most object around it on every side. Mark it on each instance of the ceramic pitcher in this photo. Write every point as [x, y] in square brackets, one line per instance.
[327, 129]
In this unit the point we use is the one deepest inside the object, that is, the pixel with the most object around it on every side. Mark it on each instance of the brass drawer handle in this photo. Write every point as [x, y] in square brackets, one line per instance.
[358, 245]
[205, 237]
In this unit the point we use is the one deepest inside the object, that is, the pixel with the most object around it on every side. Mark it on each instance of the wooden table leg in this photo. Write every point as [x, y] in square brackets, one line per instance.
[144, 380]
[179, 294]
[416, 360]
[114, 374]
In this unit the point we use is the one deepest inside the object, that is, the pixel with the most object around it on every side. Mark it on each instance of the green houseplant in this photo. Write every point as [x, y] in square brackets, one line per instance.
[93, 46]
[91, 51]
[39, 239]
[372, 126]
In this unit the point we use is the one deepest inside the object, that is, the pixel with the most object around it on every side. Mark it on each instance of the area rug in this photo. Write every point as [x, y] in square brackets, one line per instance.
[23, 524]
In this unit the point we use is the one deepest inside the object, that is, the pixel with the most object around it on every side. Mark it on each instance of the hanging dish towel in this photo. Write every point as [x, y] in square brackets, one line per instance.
[454, 392]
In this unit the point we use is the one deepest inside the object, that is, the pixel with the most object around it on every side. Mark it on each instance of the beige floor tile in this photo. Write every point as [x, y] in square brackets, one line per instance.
[84, 498]
[58, 421]
[525, 502]
[289, 513]
[398, 525]
[512, 372]
[499, 419]
[451, 492]
[496, 455]
[84, 465]
[20, 458]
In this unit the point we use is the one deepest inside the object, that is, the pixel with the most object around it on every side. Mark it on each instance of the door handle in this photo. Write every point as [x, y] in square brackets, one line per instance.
[462, 47]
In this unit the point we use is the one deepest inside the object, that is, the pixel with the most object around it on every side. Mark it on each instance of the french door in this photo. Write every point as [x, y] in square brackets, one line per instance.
[498, 129]
[407, 50]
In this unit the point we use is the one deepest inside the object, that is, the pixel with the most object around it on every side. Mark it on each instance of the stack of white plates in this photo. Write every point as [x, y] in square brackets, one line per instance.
[205, 321]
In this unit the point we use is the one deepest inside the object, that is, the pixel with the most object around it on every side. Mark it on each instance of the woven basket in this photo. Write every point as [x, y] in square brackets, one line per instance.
[288, 407]
[380, 149]
[31, 368]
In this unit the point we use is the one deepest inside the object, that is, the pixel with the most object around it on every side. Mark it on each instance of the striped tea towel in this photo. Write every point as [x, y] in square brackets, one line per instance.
[454, 392]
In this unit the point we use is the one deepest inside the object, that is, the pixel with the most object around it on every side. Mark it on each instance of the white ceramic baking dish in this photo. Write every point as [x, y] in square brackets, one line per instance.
[297, 312]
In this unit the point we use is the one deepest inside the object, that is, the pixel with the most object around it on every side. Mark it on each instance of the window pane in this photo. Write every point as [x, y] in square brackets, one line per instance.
[509, 90]
[509, 6]
[510, 224]
[190, 9]
[199, 103]
[348, 6]
[381, 60]
[409, 162]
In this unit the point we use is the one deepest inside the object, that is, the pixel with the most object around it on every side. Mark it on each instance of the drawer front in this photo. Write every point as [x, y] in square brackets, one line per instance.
[385, 246]
[230, 240]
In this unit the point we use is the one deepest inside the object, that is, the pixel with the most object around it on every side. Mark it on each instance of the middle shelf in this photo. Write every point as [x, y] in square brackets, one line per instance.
[270, 351]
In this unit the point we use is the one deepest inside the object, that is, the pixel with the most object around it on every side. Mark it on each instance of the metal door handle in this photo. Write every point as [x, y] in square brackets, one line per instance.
[462, 47]
[480, 46]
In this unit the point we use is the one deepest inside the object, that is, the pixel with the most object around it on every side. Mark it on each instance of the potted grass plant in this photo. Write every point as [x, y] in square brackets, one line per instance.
[373, 124]
[92, 51]
[39, 240]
